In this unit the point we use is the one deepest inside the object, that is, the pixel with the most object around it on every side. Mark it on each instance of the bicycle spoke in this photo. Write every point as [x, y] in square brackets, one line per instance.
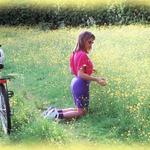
[3, 114]
[4, 123]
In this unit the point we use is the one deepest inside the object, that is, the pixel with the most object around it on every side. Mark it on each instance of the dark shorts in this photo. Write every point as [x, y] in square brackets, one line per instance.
[80, 92]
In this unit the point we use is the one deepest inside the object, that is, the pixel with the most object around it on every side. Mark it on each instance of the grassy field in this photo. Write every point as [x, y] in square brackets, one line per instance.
[79, 146]
[39, 60]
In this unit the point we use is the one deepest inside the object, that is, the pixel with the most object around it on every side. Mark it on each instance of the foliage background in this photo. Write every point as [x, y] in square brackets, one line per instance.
[49, 14]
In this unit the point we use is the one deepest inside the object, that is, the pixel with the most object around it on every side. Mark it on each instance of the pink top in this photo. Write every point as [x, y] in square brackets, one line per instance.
[78, 60]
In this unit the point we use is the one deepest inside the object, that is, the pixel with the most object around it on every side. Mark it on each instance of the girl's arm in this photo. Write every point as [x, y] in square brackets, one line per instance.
[85, 76]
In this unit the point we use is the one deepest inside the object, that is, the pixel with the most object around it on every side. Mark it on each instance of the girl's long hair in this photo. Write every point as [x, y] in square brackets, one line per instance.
[83, 37]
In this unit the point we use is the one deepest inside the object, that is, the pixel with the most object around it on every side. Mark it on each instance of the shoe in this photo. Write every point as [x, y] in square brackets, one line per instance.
[49, 109]
[52, 114]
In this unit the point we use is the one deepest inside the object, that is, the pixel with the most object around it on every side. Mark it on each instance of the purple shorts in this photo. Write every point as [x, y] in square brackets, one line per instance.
[80, 92]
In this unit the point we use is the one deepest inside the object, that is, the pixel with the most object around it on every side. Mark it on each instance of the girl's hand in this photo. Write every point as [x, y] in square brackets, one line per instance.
[94, 71]
[101, 81]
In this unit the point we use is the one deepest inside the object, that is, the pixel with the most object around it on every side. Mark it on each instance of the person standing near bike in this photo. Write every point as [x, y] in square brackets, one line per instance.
[82, 68]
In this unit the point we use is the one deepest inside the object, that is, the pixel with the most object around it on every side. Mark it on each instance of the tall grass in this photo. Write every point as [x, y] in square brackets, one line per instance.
[40, 60]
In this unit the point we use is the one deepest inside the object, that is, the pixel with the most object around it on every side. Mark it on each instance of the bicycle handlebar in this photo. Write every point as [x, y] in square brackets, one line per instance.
[8, 77]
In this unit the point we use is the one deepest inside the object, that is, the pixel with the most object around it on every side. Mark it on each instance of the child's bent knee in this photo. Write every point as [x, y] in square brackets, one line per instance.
[82, 111]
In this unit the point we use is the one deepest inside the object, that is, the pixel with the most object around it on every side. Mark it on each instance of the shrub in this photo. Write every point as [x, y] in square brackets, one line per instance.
[55, 17]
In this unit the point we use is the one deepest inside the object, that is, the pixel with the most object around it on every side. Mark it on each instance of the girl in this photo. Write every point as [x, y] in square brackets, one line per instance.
[82, 68]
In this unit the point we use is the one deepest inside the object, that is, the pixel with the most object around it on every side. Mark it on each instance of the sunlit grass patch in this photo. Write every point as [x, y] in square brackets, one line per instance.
[79, 146]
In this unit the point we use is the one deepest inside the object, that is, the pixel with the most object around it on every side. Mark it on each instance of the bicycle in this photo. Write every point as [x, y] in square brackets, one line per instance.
[5, 110]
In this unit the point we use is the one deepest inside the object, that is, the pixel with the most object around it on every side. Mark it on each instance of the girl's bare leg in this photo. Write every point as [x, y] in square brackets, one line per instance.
[77, 112]
[68, 109]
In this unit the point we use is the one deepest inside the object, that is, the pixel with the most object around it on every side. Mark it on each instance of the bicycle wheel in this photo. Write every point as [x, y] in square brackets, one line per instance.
[5, 114]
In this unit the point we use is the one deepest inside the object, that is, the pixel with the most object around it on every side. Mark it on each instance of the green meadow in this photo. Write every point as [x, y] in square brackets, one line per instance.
[39, 60]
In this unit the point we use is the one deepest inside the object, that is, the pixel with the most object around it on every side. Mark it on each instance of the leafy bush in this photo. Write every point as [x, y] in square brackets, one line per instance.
[54, 17]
